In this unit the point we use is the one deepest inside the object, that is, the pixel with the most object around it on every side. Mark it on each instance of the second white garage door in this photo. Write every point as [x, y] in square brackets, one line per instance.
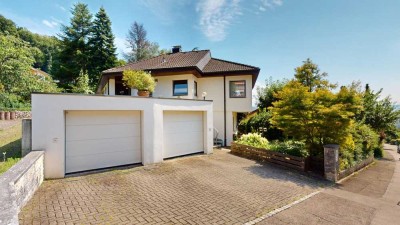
[100, 139]
[183, 133]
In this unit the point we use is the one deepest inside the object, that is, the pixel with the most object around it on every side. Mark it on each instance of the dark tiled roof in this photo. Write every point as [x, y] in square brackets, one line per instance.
[168, 61]
[200, 61]
[218, 65]
[195, 59]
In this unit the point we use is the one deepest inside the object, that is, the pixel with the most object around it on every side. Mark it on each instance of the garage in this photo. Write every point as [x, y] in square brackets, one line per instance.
[101, 139]
[183, 133]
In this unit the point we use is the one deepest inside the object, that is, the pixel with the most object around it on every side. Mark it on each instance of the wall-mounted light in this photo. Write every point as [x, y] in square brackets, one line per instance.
[204, 94]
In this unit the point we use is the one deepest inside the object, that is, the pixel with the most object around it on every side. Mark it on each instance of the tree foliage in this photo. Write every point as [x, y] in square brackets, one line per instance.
[141, 47]
[140, 80]
[82, 84]
[7, 26]
[379, 113]
[318, 117]
[16, 76]
[75, 51]
[310, 76]
[259, 122]
[101, 46]
[267, 95]
[16, 59]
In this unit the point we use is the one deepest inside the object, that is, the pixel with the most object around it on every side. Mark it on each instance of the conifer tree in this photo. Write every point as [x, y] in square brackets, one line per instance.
[75, 52]
[101, 44]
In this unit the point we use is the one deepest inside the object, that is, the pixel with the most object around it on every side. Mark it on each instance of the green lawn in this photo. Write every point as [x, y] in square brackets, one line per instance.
[10, 142]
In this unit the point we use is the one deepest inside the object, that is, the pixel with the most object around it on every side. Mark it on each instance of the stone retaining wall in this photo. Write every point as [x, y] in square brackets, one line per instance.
[18, 184]
[15, 115]
[359, 166]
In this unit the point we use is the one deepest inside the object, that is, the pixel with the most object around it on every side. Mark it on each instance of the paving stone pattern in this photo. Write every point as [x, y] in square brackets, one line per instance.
[217, 189]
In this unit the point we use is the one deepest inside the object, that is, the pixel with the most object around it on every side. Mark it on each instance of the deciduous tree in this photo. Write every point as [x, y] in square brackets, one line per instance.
[318, 117]
[141, 48]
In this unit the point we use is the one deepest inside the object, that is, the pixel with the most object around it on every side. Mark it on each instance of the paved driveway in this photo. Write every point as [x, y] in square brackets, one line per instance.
[217, 189]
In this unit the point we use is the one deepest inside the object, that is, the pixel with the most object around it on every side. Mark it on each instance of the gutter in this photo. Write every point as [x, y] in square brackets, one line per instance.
[225, 110]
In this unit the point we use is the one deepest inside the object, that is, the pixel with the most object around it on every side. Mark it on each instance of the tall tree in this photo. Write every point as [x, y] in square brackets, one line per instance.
[310, 76]
[379, 113]
[141, 48]
[102, 49]
[75, 51]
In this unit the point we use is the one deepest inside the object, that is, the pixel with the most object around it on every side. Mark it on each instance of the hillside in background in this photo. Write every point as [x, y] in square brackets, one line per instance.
[46, 49]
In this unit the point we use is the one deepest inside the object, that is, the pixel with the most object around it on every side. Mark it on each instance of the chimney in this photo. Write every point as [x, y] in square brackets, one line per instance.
[176, 49]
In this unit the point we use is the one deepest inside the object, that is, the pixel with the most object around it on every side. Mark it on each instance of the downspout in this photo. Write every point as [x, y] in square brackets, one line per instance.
[225, 110]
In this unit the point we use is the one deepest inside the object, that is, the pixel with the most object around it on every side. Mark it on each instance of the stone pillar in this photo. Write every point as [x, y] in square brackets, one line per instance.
[26, 145]
[331, 162]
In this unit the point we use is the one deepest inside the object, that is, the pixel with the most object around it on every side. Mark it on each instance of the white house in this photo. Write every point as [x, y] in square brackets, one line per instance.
[187, 75]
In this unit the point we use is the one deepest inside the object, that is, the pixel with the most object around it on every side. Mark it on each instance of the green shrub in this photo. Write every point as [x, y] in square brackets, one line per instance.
[253, 139]
[140, 80]
[13, 102]
[295, 148]
[378, 152]
[259, 123]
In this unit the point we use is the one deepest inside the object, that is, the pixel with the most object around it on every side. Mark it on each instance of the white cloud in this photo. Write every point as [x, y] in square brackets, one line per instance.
[216, 16]
[269, 4]
[51, 24]
[61, 7]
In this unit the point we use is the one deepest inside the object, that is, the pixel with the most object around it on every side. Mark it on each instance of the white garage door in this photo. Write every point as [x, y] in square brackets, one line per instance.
[183, 133]
[100, 139]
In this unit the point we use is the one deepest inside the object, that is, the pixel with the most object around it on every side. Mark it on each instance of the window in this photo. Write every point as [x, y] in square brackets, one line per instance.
[195, 88]
[180, 87]
[237, 89]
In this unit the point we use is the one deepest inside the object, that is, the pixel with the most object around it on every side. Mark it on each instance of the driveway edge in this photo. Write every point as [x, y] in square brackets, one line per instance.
[278, 210]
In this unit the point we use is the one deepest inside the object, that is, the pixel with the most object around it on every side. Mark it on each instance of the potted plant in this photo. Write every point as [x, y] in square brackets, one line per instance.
[140, 80]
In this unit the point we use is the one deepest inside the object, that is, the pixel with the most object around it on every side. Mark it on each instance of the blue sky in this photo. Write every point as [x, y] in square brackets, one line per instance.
[350, 40]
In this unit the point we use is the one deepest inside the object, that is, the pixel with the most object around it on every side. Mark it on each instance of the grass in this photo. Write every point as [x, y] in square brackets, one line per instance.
[10, 142]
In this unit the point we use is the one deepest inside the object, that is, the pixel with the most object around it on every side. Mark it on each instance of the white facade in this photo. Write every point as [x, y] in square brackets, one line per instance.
[50, 114]
[214, 87]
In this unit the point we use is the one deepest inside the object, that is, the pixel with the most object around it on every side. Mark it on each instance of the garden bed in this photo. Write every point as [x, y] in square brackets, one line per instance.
[344, 173]
[261, 154]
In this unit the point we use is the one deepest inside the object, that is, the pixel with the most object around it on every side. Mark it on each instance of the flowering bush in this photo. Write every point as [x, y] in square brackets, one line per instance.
[295, 148]
[253, 139]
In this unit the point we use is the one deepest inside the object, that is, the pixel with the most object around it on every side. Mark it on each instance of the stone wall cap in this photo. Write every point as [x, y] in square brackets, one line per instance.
[331, 146]
[13, 174]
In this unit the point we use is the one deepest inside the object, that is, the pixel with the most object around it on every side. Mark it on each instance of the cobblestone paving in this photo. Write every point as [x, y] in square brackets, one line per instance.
[217, 189]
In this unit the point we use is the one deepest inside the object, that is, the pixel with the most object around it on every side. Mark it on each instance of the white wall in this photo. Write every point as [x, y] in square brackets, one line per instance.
[165, 84]
[215, 91]
[48, 123]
